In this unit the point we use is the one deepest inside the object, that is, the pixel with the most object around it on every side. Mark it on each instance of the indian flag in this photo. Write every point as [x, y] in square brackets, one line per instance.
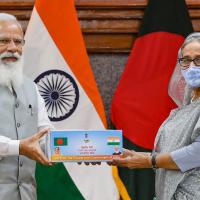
[113, 141]
[56, 59]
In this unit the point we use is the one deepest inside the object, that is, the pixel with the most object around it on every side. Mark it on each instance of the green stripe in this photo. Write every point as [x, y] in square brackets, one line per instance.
[113, 143]
[55, 183]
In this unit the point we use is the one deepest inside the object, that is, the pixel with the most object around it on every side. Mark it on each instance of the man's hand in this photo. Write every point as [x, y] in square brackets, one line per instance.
[30, 147]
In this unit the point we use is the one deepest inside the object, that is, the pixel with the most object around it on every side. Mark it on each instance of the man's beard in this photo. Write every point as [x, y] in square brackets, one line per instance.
[11, 73]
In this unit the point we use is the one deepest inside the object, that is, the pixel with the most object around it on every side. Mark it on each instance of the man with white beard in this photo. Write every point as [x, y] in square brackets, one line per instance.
[23, 120]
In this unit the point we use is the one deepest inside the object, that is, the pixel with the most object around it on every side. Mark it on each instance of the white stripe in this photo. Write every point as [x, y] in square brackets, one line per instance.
[115, 140]
[41, 54]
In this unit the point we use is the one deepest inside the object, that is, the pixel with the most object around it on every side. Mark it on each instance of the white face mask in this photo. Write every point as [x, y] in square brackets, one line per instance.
[192, 76]
[11, 73]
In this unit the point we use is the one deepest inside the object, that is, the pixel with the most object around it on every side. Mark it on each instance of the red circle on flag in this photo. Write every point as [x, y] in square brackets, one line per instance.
[60, 141]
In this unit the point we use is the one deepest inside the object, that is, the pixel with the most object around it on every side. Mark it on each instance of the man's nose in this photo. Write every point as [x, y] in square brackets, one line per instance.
[12, 47]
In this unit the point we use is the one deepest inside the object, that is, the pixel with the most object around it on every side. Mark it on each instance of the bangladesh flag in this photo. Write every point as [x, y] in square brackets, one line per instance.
[60, 141]
[141, 102]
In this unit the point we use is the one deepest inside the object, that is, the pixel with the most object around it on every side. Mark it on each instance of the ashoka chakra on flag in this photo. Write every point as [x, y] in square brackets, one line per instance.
[60, 93]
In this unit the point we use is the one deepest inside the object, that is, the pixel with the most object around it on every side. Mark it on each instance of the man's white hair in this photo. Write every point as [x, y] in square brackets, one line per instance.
[11, 72]
[9, 17]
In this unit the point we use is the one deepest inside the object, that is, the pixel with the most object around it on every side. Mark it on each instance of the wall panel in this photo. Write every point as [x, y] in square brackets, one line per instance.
[114, 23]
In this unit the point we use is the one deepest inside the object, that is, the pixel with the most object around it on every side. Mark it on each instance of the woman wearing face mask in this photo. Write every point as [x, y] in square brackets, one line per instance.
[176, 154]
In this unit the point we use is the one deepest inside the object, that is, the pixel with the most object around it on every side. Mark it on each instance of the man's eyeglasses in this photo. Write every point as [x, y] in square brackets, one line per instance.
[7, 41]
[185, 62]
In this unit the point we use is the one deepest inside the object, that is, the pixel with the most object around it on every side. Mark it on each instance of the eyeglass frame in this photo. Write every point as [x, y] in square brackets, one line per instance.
[22, 42]
[191, 60]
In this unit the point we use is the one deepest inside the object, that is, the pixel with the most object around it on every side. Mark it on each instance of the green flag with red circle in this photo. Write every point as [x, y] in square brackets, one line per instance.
[60, 141]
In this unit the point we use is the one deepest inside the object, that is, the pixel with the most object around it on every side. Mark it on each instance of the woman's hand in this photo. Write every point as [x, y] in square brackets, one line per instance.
[137, 160]
[132, 160]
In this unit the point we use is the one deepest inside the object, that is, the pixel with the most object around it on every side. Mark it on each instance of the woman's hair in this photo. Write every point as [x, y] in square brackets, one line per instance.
[178, 90]
[193, 37]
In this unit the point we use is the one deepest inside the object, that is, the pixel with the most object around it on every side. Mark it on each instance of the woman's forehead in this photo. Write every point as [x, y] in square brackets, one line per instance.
[191, 48]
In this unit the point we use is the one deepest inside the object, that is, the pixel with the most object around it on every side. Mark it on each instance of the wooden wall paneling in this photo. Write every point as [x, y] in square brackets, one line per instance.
[93, 3]
[103, 43]
[196, 24]
[16, 4]
[124, 3]
[194, 13]
[110, 14]
[108, 26]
